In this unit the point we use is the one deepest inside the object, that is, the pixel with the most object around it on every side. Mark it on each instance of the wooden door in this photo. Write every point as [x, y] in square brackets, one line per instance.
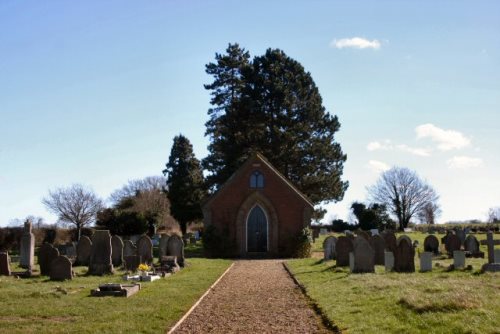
[257, 230]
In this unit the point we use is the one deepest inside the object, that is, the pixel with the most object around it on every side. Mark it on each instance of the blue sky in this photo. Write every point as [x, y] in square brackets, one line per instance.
[93, 92]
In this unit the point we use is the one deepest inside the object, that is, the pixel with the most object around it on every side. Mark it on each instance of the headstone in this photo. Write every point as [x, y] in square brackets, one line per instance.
[175, 247]
[117, 251]
[71, 250]
[431, 244]
[100, 254]
[389, 261]
[378, 245]
[4, 264]
[404, 236]
[363, 256]
[27, 250]
[329, 248]
[129, 248]
[461, 235]
[145, 249]
[492, 264]
[496, 256]
[363, 234]
[83, 251]
[458, 259]
[452, 243]
[390, 241]
[169, 264]
[404, 257]
[163, 245]
[46, 254]
[61, 269]
[132, 262]
[343, 247]
[426, 261]
[471, 245]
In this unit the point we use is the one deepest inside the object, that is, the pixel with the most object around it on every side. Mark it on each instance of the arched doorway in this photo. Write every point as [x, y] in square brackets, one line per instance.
[257, 230]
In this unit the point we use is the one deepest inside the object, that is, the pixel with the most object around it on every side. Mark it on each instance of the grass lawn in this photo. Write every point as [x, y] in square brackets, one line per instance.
[435, 302]
[37, 305]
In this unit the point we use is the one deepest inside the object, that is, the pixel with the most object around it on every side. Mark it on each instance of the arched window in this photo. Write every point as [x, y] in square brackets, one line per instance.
[257, 180]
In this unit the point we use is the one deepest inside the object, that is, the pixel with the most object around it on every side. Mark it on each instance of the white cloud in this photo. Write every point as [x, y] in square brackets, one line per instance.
[463, 162]
[386, 145]
[378, 166]
[422, 152]
[445, 139]
[376, 145]
[356, 43]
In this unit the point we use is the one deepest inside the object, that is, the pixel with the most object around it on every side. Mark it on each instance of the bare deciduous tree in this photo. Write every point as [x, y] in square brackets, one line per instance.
[134, 187]
[429, 213]
[404, 194]
[494, 215]
[76, 205]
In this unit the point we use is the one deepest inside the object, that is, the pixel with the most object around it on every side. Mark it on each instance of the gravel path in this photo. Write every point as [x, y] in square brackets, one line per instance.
[255, 296]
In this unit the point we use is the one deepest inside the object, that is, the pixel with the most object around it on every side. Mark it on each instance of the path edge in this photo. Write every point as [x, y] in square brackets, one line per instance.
[184, 317]
[319, 311]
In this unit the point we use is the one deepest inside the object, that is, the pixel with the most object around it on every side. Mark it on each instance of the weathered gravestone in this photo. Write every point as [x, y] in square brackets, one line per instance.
[71, 250]
[362, 258]
[364, 234]
[426, 261]
[162, 248]
[458, 259]
[132, 262]
[404, 257]
[329, 248]
[471, 246]
[61, 269]
[129, 248]
[175, 247]
[461, 235]
[378, 245]
[389, 261]
[343, 247]
[492, 265]
[431, 244]
[117, 251]
[46, 254]
[497, 255]
[452, 244]
[390, 241]
[4, 264]
[145, 249]
[100, 254]
[83, 251]
[27, 251]
[170, 263]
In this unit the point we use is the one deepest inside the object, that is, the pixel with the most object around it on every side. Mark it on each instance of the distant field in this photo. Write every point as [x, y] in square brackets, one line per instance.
[37, 305]
[435, 302]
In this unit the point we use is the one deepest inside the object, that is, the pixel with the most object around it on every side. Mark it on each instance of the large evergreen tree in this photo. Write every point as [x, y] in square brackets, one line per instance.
[185, 183]
[272, 105]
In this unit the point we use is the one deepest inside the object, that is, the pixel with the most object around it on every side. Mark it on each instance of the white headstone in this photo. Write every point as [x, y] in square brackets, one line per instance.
[458, 259]
[426, 261]
[389, 261]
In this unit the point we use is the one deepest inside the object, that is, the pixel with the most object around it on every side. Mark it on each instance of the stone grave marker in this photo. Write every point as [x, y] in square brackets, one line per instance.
[329, 248]
[100, 254]
[61, 269]
[426, 261]
[116, 290]
[145, 249]
[404, 257]
[496, 255]
[458, 259]
[162, 248]
[460, 233]
[452, 244]
[46, 254]
[4, 264]
[389, 261]
[27, 251]
[132, 262]
[431, 244]
[364, 234]
[492, 265]
[83, 251]
[362, 258]
[471, 246]
[116, 251]
[129, 248]
[175, 247]
[378, 245]
[343, 247]
[390, 241]
[71, 250]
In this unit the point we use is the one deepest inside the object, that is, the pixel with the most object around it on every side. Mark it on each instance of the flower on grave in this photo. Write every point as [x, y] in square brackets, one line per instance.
[143, 267]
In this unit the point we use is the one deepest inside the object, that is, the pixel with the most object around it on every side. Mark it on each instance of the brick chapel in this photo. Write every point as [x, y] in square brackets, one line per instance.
[260, 209]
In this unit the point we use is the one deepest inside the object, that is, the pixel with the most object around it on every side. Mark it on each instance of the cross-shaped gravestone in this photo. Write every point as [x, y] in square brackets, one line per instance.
[490, 242]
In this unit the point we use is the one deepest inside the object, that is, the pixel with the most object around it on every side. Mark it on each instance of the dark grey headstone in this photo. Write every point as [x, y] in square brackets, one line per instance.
[83, 250]
[132, 262]
[461, 235]
[404, 257]
[378, 245]
[162, 248]
[471, 244]
[364, 234]
[117, 250]
[145, 249]
[390, 241]
[4, 264]
[343, 247]
[61, 269]
[431, 244]
[452, 244]
[100, 254]
[27, 251]
[46, 254]
[175, 247]
[364, 256]
[329, 248]
[129, 248]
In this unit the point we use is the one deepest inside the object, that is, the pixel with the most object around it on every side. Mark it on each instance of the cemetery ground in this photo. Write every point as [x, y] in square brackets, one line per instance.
[37, 305]
[441, 301]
